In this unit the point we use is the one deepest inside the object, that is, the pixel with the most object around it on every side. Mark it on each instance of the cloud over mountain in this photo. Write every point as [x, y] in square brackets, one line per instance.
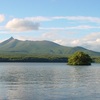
[22, 25]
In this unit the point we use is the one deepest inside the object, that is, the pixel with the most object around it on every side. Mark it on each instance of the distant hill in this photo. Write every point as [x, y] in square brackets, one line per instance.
[14, 46]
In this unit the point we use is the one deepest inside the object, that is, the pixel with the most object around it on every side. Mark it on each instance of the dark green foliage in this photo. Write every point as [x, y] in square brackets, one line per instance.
[32, 58]
[79, 58]
[96, 59]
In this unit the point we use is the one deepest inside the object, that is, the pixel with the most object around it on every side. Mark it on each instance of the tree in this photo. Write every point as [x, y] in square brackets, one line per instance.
[79, 58]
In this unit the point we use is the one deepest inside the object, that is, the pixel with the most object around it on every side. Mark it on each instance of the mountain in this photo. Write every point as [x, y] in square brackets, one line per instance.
[14, 46]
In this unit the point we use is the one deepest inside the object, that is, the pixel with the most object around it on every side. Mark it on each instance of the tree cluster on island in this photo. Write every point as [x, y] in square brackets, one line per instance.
[79, 58]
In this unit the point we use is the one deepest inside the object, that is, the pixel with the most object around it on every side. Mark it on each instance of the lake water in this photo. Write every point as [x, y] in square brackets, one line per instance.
[49, 81]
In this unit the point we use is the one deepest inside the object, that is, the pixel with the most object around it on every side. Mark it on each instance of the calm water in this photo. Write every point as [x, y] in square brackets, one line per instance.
[49, 81]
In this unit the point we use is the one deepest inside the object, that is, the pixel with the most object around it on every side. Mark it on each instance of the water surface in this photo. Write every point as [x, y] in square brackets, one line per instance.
[49, 81]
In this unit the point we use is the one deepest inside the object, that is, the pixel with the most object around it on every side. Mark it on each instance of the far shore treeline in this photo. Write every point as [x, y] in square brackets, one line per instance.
[32, 58]
[38, 58]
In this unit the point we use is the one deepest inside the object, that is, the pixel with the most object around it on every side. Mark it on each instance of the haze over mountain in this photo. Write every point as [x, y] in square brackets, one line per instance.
[15, 46]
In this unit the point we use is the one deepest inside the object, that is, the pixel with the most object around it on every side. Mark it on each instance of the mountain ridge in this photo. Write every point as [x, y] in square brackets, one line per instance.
[15, 46]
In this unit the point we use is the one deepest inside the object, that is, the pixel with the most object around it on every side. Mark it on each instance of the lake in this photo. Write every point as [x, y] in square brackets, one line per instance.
[49, 81]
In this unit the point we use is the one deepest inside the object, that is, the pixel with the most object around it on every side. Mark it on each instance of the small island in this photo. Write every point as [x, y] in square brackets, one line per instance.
[79, 58]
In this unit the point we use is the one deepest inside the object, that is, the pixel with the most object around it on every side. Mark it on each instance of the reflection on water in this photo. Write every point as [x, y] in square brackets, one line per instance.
[49, 81]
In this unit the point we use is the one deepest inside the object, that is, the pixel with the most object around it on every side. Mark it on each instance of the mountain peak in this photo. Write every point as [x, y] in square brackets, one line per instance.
[11, 38]
[7, 41]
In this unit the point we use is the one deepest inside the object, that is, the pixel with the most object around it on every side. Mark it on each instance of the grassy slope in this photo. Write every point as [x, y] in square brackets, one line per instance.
[17, 47]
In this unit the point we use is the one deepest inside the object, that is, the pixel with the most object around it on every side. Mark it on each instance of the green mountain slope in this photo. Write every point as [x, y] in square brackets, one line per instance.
[14, 46]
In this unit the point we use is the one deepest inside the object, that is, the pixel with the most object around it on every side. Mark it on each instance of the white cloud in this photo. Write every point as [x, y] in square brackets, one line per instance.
[52, 28]
[83, 27]
[39, 19]
[49, 35]
[22, 25]
[80, 27]
[73, 18]
[61, 41]
[2, 18]
[24, 38]
[32, 23]
[91, 41]
[92, 36]
[98, 40]
[79, 18]
[75, 42]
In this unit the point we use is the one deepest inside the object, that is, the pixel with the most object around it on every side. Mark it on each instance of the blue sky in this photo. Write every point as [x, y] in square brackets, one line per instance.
[67, 22]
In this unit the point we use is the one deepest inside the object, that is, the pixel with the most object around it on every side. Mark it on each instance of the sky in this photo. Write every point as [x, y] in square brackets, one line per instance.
[66, 22]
